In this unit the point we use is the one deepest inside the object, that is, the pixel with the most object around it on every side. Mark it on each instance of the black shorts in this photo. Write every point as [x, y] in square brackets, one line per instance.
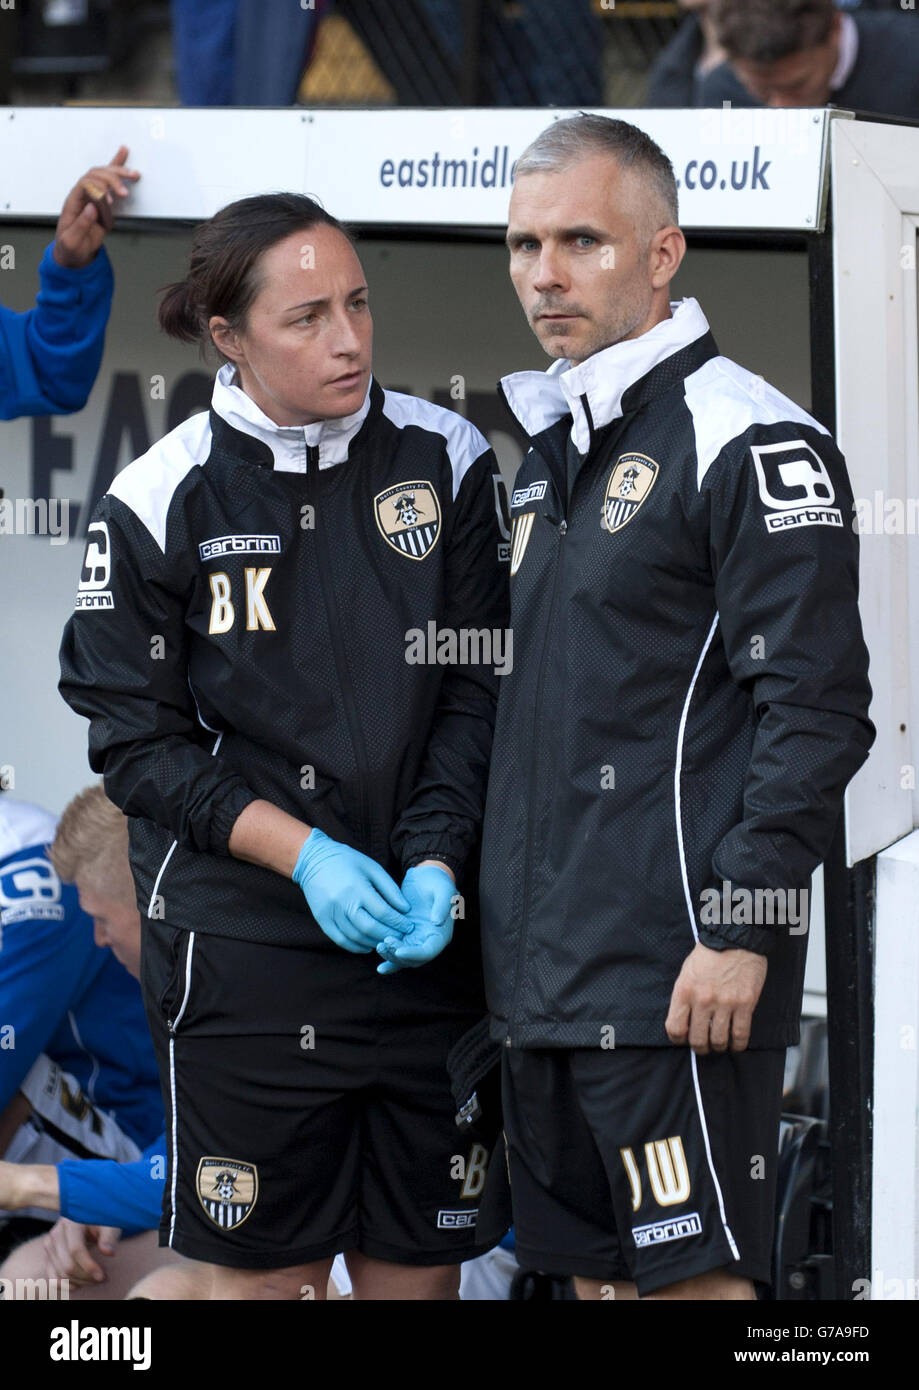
[302, 1122]
[643, 1164]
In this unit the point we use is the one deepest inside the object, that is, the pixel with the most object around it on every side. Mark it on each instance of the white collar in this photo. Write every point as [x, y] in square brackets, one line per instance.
[848, 53]
[288, 443]
[538, 399]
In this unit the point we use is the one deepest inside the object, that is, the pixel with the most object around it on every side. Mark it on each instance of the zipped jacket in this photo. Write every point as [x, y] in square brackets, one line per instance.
[689, 695]
[246, 626]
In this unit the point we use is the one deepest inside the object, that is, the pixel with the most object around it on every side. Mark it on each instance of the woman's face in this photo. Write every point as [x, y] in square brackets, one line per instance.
[305, 352]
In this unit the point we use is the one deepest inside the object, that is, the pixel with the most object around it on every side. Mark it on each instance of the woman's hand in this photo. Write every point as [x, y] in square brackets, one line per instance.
[430, 889]
[353, 899]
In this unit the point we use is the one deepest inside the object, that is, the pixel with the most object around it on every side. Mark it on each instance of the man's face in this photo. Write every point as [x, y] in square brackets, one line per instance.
[116, 923]
[800, 79]
[306, 346]
[578, 259]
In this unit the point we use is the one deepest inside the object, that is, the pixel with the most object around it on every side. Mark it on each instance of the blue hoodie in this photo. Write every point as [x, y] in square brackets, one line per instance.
[50, 355]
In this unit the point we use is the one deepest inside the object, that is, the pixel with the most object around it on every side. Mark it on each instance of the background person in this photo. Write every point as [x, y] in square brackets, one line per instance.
[676, 75]
[76, 1038]
[50, 355]
[806, 53]
[61, 1166]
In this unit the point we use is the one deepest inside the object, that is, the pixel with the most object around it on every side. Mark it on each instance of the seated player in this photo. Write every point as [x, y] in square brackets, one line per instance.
[78, 1078]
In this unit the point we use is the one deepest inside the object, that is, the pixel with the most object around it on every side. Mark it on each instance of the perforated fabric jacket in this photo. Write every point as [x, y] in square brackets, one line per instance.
[241, 632]
[689, 695]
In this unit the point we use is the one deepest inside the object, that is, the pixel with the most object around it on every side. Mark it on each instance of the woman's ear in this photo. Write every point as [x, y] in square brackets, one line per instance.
[225, 338]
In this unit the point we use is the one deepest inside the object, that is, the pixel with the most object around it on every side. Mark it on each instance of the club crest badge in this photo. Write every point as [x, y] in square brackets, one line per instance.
[408, 516]
[227, 1190]
[629, 484]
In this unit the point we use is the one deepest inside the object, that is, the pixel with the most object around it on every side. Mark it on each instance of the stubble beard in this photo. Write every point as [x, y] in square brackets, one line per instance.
[615, 328]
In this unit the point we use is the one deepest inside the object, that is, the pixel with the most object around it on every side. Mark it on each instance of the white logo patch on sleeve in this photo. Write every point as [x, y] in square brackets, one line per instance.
[29, 888]
[93, 590]
[794, 486]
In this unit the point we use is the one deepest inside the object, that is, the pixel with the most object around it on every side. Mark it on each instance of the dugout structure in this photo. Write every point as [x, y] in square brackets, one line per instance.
[803, 229]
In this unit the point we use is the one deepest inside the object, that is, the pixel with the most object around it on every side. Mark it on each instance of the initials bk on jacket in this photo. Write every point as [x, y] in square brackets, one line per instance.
[240, 631]
[689, 694]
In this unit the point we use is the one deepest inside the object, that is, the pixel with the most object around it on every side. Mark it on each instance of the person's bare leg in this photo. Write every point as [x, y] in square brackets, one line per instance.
[27, 1261]
[189, 1279]
[179, 1280]
[589, 1290]
[301, 1282]
[380, 1280]
[333, 1295]
[134, 1258]
[715, 1285]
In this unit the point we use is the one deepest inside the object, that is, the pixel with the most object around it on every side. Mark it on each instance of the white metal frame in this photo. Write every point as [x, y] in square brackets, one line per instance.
[875, 211]
[875, 177]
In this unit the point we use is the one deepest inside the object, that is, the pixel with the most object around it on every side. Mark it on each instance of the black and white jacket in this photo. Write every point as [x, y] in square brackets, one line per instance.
[689, 695]
[242, 630]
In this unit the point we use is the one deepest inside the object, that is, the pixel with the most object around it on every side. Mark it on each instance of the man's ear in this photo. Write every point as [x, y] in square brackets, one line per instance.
[668, 247]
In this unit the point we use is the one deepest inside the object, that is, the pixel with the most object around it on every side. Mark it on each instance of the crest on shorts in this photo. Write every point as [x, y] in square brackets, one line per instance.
[629, 484]
[408, 516]
[227, 1190]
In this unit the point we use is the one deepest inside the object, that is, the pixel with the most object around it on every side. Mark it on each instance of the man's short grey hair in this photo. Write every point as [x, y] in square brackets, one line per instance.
[578, 137]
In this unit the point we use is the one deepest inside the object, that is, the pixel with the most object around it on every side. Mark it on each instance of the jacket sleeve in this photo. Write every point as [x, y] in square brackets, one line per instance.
[103, 1192]
[124, 666]
[443, 818]
[50, 355]
[784, 553]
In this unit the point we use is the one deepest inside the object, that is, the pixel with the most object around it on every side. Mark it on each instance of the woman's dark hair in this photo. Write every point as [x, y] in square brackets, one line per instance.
[223, 274]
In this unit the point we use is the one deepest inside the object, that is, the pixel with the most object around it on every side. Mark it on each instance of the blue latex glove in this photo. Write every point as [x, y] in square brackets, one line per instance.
[353, 899]
[430, 892]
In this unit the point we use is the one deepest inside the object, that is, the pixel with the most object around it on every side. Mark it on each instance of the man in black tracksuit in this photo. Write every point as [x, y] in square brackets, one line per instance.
[688, 701]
